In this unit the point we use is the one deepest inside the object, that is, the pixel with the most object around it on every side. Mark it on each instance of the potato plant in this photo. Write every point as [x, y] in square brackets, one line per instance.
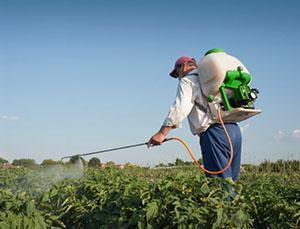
[136, 197]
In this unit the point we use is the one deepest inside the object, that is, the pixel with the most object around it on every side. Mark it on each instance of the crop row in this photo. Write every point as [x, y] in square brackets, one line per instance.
[147, 198]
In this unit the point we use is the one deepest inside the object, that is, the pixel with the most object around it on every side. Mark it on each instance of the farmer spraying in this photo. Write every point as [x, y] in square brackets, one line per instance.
[201, 95]
[214, 95]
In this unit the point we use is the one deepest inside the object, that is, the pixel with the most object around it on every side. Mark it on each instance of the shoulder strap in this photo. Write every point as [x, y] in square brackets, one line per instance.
[200, 106]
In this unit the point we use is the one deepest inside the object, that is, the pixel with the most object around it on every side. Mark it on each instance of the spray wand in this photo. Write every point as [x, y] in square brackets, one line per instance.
[109, 150]
[179, 140]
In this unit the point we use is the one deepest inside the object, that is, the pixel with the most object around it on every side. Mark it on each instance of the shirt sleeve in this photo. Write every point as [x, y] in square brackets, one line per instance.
[182, 105]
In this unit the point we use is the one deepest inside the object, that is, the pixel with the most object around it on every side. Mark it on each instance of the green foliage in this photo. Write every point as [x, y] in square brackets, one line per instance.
[114, 199]
[179, 162]
[76, 160]
[27, 163]
[7, 177]
[136, 197]
[50, 162]
[110, 164]
[94, 162]
[274, 201]
[280, 166]
[19, 211]
[3, 161]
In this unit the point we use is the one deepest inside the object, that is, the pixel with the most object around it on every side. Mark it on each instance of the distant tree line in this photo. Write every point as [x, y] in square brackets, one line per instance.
[277, 166]
[178, 162]
[266, 166]
[30, 163]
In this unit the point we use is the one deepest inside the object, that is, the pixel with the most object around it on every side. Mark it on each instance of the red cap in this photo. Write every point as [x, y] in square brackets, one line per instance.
[181, 60]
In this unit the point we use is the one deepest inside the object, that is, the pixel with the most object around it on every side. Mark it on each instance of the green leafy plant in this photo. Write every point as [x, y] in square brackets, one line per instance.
[136, 197]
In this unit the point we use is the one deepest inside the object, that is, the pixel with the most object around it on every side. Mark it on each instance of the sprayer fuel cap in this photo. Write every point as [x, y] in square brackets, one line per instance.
[215, 50]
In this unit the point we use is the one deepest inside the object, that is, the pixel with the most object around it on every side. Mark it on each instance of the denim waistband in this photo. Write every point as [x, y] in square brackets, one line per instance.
[217, 124]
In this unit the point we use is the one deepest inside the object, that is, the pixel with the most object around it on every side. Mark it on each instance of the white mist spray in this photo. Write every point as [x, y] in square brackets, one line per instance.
[39, 181]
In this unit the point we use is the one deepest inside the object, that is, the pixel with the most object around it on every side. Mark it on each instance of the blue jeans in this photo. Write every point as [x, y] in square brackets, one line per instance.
[216, 150]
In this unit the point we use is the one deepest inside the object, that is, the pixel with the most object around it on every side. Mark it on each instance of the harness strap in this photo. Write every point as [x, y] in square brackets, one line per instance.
[200, 106]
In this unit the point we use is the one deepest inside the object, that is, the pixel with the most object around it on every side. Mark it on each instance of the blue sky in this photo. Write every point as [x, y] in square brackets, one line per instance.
[80, 76]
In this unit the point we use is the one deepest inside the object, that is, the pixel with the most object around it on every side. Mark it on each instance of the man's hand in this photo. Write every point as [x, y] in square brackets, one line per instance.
[159, 137]
[156, 139]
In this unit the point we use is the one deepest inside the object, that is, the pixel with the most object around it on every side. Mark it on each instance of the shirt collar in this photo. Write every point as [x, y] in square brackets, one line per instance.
[193, 72]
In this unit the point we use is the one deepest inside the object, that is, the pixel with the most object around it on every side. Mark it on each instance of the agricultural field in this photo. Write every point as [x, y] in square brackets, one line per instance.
[73, 196]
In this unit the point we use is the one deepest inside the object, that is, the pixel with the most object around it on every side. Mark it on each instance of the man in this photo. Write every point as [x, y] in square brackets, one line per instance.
[191, 103]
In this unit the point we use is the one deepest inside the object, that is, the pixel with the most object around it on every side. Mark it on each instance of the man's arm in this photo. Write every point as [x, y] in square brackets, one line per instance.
[178, 111]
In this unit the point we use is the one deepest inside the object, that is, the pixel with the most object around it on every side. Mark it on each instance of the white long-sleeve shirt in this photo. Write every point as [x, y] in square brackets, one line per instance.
[188, 95]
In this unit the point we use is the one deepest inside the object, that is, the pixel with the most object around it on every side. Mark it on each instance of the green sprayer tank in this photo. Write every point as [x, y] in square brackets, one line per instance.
[225, 82]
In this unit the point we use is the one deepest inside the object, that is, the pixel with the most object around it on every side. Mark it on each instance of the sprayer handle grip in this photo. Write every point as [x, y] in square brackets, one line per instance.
[165, 140]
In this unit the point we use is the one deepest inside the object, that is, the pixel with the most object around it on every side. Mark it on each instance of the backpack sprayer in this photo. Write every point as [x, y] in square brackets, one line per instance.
[225, 83]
